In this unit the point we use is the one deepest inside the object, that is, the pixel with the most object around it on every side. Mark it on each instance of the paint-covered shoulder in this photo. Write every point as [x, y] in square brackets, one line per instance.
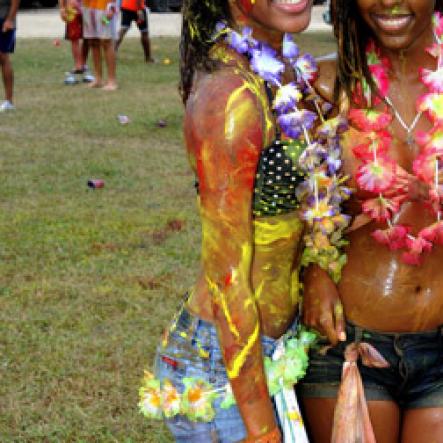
[225, 107]
[224, 133]
[222, 92]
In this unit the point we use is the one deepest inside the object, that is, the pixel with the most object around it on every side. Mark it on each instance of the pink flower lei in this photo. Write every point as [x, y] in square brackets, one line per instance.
[323, 190]
[379, 174]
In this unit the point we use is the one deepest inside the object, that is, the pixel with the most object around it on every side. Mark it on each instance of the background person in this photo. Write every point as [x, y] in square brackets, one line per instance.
[246, 293]
[70, 12]
[8, 12]
[135, 10]
[99, 29]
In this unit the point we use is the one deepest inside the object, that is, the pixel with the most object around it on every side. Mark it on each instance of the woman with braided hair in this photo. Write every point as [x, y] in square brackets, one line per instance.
[241, 83]
[390, 83]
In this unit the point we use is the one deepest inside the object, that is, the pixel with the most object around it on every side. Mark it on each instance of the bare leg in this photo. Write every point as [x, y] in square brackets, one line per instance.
[108, 49]
[8, 75]
[121, 36]
[385, 418]
[423, 426]
[146, 44]
[85, 52]
[319, 415]
[94, 43]
[77, 55]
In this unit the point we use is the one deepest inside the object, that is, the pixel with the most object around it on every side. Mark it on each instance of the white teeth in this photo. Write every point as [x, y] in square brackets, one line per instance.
[394, 22]
[288, 2]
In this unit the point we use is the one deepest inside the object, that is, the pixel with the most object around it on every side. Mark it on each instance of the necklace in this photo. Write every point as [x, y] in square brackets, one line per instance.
[408, 128]
[323, 189]
[379, 174]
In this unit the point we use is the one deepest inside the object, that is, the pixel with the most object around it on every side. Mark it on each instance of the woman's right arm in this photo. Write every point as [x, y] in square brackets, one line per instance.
[322, 308]
[224, 135]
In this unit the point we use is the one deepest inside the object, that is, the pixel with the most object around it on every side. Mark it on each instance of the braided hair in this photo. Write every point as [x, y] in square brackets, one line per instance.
[199, 20]
[352, 35]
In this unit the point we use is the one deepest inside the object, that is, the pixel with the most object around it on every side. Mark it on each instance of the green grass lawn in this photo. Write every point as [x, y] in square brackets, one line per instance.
[89, 278]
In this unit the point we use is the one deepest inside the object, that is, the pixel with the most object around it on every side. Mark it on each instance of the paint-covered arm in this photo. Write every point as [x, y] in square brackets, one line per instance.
[224, 132]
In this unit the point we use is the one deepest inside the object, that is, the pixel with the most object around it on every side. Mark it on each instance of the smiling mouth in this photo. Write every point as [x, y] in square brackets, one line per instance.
[292, 6]
[392, 23]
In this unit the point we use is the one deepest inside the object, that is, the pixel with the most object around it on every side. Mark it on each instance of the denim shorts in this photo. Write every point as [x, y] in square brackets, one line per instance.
[191, 349]
[413, 380]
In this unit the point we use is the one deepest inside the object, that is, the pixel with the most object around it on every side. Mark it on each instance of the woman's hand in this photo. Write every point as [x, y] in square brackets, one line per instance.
[322, 308]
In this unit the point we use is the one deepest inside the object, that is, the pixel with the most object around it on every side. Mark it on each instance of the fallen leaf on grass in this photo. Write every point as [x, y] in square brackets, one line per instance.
[148, 283]
[154, 282]
[176, 225]
[160, 235]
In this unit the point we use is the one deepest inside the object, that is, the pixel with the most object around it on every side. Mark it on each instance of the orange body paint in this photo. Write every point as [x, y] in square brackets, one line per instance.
[248, 284]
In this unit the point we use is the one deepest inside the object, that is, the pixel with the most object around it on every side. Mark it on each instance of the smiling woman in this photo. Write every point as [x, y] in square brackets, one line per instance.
[390, 67]
[242, 81]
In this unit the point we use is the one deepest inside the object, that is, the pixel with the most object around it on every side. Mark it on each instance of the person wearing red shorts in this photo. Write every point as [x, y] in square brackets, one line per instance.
[135, 10]
[70, 12]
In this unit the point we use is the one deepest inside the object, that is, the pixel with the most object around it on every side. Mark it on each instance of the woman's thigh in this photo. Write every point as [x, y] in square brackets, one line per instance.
[319, 415]
[423, 426]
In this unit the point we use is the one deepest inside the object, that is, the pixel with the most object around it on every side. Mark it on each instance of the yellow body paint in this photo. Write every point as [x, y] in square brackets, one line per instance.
[296, 287]
[268, 231]
[247, 286]
[239, 360]
[220, 299]
[236, 111]
[252, 82]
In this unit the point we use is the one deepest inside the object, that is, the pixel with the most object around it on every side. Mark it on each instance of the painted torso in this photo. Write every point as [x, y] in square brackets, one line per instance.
[233, 197]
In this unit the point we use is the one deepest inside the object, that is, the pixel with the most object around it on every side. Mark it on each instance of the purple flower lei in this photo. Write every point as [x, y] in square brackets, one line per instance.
[323, 191]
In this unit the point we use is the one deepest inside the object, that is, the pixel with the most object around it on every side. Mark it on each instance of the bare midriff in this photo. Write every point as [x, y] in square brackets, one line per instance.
[274, 276]
[377, 289]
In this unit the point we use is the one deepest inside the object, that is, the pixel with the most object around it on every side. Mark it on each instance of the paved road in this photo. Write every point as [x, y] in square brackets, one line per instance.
[46, 23]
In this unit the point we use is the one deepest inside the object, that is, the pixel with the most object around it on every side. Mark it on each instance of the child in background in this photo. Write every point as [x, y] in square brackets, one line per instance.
[135, 10]
[70, 12]
[99, 29]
